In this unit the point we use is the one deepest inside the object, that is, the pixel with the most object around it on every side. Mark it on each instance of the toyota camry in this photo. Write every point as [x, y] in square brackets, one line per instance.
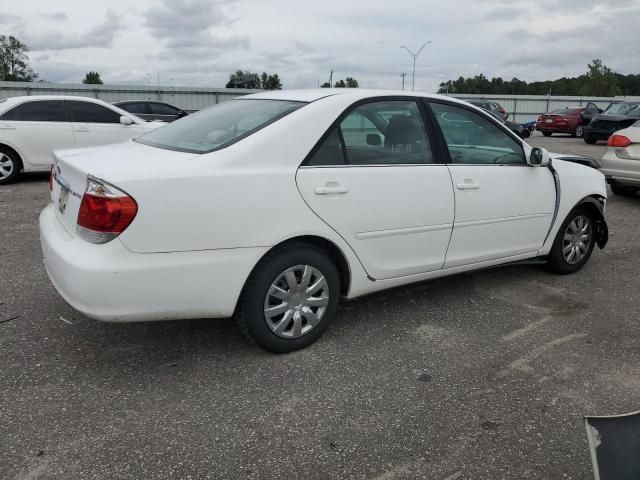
[271, 207]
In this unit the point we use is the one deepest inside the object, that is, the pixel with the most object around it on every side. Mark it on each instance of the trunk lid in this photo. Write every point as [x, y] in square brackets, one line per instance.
[111, 163]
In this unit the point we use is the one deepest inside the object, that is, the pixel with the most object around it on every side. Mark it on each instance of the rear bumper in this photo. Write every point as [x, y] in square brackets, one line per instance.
[108, 282]
[541, 127]
[620, 170]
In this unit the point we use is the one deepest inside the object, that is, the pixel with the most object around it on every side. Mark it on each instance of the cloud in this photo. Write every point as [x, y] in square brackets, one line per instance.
[54, 16]
[101, 35]
[6, 19]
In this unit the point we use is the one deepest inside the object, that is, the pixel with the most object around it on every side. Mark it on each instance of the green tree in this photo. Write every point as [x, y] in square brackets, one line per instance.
[325, 85]
[92, 78]
[244, 79]
[351, 82]
[340, 84]
[264, 79]
[600, 81]
[273, 83]
[14, 66]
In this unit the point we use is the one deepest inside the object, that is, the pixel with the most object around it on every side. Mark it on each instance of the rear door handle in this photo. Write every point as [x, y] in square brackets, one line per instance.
[468, 186]
[337, 190]
[82, 129]
[7, 127]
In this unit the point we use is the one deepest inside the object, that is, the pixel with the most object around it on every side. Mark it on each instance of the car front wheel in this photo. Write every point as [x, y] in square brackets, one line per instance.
[547, 134]
[589, 140]
[579, 132]
[9, 166]
[574, 242]
[289, 299]
[623, 190]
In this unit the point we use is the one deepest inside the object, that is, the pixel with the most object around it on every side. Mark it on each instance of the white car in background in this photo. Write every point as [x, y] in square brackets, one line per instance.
[32, 127]
[621, 162]
[272, 206]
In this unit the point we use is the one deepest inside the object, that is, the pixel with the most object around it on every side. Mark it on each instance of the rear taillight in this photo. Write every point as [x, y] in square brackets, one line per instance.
[619, 141]
[502, 110]
[105, 212]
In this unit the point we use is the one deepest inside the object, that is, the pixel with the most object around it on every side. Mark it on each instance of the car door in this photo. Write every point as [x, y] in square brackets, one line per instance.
[95, 124]
[164, 112]
[374, 179]
[504, 207]
[590, 111]
[140, 109]
[36, 128]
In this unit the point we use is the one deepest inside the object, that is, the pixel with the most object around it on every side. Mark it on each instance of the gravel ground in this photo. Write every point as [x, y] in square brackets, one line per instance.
[481, 375]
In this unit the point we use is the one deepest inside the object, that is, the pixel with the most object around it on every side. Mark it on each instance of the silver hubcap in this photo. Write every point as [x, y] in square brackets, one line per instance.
[579, 132]
[296, 301]
[6, 166]
[577, 239]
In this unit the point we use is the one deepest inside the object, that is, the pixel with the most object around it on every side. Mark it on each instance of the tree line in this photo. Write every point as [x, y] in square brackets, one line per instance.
[598, 81]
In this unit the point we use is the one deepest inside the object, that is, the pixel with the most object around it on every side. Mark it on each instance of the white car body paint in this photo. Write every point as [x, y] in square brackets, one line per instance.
[204, 221]
[622, 165]
[35, 141]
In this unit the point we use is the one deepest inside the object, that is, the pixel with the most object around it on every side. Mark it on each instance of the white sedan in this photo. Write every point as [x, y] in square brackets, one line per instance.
[621, 162]
[32, 127]
[272, 206]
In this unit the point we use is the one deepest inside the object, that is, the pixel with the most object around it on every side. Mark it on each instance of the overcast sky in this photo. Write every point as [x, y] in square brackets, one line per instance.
[198, 42]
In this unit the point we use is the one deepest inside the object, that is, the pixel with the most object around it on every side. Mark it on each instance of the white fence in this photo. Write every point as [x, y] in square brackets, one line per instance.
[525, 108]
[187, 98]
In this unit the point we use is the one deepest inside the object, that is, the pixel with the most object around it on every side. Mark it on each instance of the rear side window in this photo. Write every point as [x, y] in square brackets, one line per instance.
[162, 109]
[474, 139]
[219, 126]
[138, 107]
[86, 112]
[387, 132]
[37, 111]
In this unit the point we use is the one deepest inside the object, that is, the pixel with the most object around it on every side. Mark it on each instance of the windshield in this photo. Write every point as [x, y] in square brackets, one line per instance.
[219, 126]
[621, 109]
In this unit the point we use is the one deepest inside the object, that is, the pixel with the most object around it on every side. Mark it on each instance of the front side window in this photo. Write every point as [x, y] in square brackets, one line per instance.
[162, 109]
[472, 139]
[377, 133]
[136, 108]
[37, 111]
[219, 126]
[86, 112]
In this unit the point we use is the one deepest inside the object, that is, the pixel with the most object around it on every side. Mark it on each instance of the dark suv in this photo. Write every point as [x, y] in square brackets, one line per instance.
[616, 117]
[150, 110]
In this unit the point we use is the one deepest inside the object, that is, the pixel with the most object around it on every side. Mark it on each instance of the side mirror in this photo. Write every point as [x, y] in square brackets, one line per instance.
[125, 120]
[374, 140]
[539, 157]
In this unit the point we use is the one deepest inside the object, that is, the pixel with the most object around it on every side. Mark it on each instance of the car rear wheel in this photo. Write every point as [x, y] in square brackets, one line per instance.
[547, 134]
[9, 166]
[623, 190]
[574, 242]
[579, 132]
[289, 299]
[589, 140]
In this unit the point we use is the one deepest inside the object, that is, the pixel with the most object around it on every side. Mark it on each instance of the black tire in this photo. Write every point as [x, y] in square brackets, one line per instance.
[250, 315]
[623, 190]
[578, 132]
[556, 261]
[10, 161]
[547, 134]
[588, 140]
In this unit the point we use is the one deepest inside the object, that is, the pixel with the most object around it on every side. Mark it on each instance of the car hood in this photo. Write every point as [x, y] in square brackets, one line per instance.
[615, 118]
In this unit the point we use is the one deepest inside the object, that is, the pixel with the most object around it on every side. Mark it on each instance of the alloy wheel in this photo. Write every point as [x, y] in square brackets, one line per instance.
[6, 166]
[296, 301]
[579, 131]
[577, 239]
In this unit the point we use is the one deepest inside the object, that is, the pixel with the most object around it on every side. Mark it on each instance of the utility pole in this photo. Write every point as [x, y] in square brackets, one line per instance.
[403, 75]
[331, 79]
[415, 55]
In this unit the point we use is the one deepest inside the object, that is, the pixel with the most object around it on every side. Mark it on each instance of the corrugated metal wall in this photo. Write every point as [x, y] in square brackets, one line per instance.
[186, 98]
[525, 108]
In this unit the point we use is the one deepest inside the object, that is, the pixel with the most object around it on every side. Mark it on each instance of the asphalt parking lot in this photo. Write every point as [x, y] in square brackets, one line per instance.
[484, 375]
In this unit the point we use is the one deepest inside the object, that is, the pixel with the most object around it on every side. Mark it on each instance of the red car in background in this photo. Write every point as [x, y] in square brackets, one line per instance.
[567, 120]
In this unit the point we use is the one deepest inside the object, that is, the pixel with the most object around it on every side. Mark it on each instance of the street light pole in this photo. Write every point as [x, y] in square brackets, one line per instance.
[403, 75]
[415, 56]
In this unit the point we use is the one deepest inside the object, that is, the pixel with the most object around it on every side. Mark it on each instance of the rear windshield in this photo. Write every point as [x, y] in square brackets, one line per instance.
[564, 111]
[219, 126]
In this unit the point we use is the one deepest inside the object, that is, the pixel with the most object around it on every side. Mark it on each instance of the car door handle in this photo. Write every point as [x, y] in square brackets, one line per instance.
[332, 190]
[468, 186]
[82, 129]
[7, 127]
